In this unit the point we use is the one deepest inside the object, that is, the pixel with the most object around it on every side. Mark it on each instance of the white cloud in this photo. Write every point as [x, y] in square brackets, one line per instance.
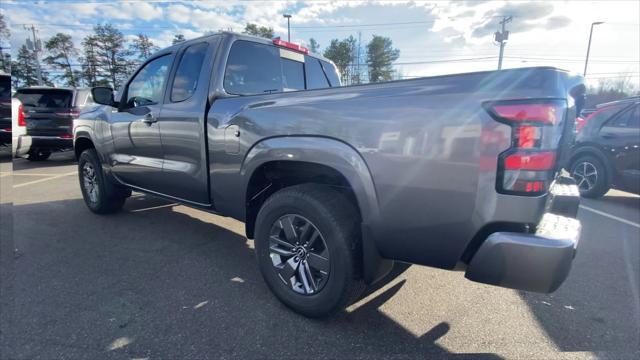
[539, 31]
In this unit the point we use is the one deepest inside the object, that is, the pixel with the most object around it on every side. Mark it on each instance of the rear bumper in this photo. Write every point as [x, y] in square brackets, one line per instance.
[53, 143]
[537, 262]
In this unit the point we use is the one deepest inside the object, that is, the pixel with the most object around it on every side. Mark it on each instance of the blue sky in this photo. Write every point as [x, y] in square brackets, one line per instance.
[433, 37]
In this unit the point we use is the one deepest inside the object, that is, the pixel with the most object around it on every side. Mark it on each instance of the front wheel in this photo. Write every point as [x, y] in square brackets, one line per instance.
[307, 244]
[591, 176]
[100, 196]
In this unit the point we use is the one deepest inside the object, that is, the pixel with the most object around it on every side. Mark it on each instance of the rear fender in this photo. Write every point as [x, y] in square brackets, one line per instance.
[340, 157]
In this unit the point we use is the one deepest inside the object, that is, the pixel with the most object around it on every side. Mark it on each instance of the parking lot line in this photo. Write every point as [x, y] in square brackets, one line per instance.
[624, 221]
[43, 180]
[26, 174]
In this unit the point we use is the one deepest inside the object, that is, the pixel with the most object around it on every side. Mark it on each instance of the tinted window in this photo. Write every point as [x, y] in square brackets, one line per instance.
[293, 75]
[622, 120]
[634, 122]
[331, 72]
[315, 74]
[146, 87]
[252, 68]
[45, 98]
[186, 79]
[601, 115]
[5, 88]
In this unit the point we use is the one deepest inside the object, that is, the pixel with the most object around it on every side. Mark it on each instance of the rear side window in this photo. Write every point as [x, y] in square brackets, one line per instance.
[185, 81]
[45, 98]
[331, 73]
[252, 68]
[315, 74]
[601, 115]
[293, 75]
[634, 122]
[621, 120]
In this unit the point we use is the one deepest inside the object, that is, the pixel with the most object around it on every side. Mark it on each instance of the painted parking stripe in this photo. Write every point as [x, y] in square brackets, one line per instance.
[43, 180]
[624, 221]
[29, 174]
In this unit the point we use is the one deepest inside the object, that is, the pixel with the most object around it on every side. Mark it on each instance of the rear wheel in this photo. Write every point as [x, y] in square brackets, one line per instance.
[38, 155]
[99, 195]
[307, 244]
[591, 176]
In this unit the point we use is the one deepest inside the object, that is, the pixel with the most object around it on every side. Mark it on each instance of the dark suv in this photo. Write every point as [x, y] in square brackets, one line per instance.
[606, 153]
[49, 114]
[5, 109]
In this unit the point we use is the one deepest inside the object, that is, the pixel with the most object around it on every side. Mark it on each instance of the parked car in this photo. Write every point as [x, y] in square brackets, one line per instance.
[5, 109]
[606, 153]
[336, 183]
[18, 125]
[48, 116]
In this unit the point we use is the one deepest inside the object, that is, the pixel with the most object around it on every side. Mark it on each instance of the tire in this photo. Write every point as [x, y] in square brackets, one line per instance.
[333, 235]
[591, 176]
[38, 155]
[100, 196]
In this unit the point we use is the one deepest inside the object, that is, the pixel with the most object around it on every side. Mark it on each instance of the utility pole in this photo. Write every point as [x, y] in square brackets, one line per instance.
[502, 37]
[586, 61]
[358, 77]
[36, 47]
[288, 16]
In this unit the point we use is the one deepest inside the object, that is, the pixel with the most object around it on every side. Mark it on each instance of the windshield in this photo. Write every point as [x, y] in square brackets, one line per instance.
[45, 98]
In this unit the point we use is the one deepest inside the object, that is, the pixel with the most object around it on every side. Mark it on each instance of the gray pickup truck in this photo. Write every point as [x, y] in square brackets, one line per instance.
[335, 183]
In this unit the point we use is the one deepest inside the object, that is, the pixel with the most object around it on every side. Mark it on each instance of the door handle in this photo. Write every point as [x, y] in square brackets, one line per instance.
[149, 118]
[609, 136]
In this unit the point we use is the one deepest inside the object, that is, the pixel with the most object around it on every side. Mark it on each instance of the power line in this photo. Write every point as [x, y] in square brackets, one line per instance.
[362, 25]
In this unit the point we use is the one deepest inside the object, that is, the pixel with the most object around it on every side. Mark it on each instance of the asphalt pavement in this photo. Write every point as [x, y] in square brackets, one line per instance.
[163, 281]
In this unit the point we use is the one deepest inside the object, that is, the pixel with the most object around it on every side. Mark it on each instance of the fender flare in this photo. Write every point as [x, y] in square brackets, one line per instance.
[344, 159]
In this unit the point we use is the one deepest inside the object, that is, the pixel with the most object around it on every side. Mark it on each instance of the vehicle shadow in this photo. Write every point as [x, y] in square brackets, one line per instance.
[163, 280]
[599, 301]
[57, 159]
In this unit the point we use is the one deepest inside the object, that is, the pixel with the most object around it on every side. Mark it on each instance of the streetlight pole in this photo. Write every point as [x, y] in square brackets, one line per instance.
[586, 61]
[288, 16]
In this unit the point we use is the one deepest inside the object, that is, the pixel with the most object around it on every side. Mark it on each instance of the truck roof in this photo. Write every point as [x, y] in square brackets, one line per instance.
[246, 37]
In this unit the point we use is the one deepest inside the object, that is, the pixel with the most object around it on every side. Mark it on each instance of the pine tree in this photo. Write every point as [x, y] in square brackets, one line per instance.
[262, 31]
[314, 47]
[61, 52]
[177, 38]
[24, 70]
[380, 57]
[143, 47]
[111, 54]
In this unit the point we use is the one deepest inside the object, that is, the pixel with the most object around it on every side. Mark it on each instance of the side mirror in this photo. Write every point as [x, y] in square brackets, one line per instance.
[103, 96]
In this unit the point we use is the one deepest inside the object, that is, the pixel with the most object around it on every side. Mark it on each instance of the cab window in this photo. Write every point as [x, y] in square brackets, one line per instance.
[331, 72]
[252, 68]
[146, 87]
[315, 75]
[292, 75]
[185, 81]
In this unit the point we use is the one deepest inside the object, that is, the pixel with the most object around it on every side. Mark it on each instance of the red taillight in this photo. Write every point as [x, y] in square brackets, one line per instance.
[527, 167]
[544, 113]
[529, 136]
[66, 136]
[533, 161]
[74, 113]
[289, 45]
[21, 121]
[580, 122]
